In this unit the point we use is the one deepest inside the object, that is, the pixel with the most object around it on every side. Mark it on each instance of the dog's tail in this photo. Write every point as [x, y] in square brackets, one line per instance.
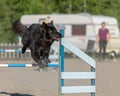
[19, 28]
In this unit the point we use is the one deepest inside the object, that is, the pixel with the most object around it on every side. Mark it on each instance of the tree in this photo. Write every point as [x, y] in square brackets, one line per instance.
[11, 10]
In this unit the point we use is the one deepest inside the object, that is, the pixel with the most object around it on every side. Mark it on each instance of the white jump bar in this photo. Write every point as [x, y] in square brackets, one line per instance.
[78, 89]
[78, 75]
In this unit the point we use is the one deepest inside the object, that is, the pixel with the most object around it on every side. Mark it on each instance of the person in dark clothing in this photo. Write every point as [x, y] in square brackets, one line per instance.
[103, 37]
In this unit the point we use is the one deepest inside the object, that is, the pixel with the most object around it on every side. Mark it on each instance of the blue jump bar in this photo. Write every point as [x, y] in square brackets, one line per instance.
[18, 51]
[16, 65]
[2, 50]
[53, 65]
[12, 50]
[28, 65]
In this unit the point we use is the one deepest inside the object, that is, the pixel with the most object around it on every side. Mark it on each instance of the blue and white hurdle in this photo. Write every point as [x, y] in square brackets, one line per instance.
[70, 75]
[76, 75]
[53, 64]
[19, 51]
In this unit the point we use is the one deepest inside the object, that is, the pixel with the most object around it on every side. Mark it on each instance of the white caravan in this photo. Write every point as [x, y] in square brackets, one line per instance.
[80, 28]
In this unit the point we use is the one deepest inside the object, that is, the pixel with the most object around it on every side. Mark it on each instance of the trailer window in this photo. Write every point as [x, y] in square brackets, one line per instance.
[78, 29]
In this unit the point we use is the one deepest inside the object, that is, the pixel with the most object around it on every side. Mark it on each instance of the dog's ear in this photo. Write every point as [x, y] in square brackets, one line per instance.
[52, 23]
[44, 25]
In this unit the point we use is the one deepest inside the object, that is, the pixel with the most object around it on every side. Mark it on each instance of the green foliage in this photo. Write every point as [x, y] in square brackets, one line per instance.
[11, 10]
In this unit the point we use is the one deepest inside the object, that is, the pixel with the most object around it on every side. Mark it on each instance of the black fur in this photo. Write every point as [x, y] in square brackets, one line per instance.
[38, 38]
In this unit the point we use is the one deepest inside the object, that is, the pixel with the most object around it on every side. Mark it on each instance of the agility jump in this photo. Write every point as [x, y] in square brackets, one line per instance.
[70, 75]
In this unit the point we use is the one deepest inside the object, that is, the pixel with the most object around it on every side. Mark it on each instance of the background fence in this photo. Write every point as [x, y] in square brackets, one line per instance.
[10, 52]
[13, 55]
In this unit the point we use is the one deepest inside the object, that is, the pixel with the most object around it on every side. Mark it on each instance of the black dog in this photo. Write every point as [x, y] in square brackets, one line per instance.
[38, 38]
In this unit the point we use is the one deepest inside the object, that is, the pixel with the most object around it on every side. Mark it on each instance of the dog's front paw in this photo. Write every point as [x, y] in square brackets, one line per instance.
[23, 50]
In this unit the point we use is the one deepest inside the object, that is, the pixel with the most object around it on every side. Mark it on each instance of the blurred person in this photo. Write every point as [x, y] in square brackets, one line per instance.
[103, 37]
[48, 19]
[41, 20]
